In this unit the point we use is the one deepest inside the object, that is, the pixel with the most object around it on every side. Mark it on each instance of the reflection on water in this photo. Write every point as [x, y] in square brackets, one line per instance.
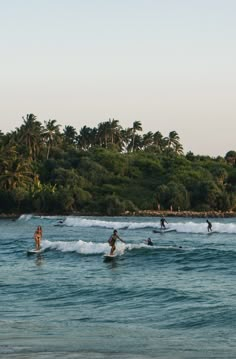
[111, 264]
[39, 259]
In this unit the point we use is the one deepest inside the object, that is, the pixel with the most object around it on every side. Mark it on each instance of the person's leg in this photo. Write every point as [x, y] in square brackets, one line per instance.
[112, 250]
[38, 242]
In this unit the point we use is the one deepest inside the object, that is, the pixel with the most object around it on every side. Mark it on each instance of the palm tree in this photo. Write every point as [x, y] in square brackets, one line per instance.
[173, 143]
[158, 141]
[30, 134]
[125, 138]
[148, 139]
[230, 157]
[6, 154]
[178, 148]
[86, 137]
[137, 126]
[70, 135]
[16, 173]
[136, 144]
[51, 134]
[114, 129]
[103, 133]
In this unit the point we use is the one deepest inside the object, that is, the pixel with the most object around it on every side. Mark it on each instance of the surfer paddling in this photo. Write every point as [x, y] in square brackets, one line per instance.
[112, 241]
[38, 237]
[149, 242]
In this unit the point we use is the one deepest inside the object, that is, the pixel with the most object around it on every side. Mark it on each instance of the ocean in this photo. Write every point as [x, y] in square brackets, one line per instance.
[175, 299]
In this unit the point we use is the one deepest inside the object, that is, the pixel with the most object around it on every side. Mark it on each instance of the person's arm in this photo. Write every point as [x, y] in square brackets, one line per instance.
[121, 240]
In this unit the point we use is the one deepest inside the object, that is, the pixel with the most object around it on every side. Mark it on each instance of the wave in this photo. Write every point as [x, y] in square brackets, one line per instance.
[25, 217]
[179, 227]
[88, 248]
[201, 228]
[28, 217]
[80, 246]
[84, 222]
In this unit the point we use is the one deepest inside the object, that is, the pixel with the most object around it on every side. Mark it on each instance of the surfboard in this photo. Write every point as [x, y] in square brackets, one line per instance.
[212, 232]
[108, 256]
[35, 251]
[164, 230]
[60, 224]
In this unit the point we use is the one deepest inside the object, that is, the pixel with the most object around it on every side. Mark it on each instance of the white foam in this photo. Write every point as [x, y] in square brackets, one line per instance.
[85, 222]
[90, 248]
[80, 246]
[25, 217]
[184, 226]
[201, 228]
[181, 227]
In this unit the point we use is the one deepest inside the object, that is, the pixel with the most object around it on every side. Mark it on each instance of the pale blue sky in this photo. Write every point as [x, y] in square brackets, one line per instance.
[167, 63]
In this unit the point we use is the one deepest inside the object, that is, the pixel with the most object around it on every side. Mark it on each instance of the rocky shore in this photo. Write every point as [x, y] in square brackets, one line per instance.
[192, 214]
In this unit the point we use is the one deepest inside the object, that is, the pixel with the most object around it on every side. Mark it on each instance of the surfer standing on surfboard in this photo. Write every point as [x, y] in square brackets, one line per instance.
[209, 227]
[112, 241]
[38, 237]
[162, 222]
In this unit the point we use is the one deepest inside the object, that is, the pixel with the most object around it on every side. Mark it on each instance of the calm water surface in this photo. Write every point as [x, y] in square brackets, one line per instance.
[176, 299]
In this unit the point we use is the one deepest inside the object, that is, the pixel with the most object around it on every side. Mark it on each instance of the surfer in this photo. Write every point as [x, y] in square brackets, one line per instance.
[38, 237]
[112, 241]
[162, 222]
[209, 226]
[149, 242]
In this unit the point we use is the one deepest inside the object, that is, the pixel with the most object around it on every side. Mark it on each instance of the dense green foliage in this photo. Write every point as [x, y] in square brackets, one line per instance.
[108, 170]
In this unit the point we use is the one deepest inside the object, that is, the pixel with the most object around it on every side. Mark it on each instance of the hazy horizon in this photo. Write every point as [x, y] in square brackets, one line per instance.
[169, 64]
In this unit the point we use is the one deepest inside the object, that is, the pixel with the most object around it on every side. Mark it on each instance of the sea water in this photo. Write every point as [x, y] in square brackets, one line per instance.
[175, 299]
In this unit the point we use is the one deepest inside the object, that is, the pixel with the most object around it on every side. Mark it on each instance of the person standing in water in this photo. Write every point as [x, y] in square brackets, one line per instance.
[209, 226]
[38, 237]
[112, 241]
[162, 222]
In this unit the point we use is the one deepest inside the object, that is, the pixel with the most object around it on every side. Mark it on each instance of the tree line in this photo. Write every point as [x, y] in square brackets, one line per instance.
[108, 170]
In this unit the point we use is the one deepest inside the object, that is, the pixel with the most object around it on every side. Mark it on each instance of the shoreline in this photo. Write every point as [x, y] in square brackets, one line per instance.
[192, 214]
[141, 213]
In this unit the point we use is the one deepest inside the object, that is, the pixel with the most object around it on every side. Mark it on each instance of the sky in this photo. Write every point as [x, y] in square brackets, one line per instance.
[169, 64]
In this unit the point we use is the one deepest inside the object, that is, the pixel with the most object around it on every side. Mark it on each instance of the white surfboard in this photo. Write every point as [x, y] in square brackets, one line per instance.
[35, 251]
[212, 232]
[164, 230]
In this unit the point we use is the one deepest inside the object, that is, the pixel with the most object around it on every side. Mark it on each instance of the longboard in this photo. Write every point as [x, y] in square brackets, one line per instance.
[35, 251]
[108, 256]
[164, 230]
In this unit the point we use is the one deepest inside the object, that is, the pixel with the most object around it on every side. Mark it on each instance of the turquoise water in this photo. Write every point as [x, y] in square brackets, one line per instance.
[176, 299]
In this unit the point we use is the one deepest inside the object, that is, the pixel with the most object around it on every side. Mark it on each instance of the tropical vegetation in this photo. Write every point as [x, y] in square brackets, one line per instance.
[108, 170]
